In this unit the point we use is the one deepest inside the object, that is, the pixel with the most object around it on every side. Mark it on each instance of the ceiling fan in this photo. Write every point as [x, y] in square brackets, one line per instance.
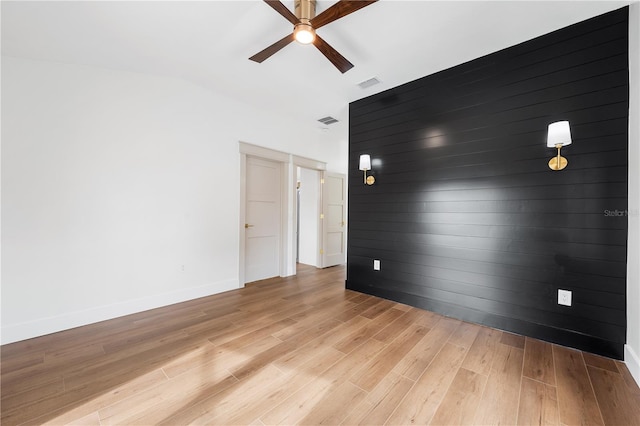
[305, 23]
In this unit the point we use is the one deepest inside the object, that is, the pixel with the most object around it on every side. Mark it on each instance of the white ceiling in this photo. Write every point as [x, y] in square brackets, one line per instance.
[208, 43]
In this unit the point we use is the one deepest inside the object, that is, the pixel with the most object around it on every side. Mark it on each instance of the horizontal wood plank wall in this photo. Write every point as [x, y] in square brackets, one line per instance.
[465, 215]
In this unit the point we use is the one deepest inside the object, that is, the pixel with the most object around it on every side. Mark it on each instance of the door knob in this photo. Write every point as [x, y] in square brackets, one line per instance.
[246, 225]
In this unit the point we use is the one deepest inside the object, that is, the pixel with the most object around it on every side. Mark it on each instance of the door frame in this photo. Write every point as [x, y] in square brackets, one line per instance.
[324, 223]
[288, 211]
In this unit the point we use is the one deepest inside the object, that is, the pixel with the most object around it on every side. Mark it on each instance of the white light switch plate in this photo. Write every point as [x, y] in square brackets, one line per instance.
[564, 297]
[376, 265]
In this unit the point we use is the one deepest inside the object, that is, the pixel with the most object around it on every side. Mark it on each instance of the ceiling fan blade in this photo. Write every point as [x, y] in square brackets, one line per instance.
[283, 10]
[338, 10]
[332, 54]
[266, 53]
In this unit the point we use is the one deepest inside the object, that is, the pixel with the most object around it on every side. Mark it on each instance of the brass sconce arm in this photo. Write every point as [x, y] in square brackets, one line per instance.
[558, 162]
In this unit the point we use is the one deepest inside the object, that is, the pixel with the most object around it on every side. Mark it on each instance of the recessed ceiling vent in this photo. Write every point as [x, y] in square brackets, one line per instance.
[368, 83]
[328, 120]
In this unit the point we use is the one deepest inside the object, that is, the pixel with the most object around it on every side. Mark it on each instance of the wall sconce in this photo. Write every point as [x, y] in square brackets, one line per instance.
[558, 136]
[365, 164]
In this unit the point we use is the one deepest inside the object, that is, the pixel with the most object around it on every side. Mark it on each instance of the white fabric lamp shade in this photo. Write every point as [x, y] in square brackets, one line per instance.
[558, 134]
[365, 162]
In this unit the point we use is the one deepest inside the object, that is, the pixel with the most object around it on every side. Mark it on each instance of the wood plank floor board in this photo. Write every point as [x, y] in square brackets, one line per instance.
[141, 342]
[168, 317]
[363, 334]
[335, 406]
[355, 311]
[303, 350]
[297, 406]
[151, 331]
[409, 317]
[358, 298]
[576, 400]
[499, 402]
[173, 400]
[628, 378]
[480, 355]
[76, 412]
[343, 330]
[302, 323]
[511, 339]
[75, 352]
[460, 403]
[243, 321]
[538, 361]
[385, 398]
[358, 414]
[600, 362]
[617, 404]
[270, 329]
[24, 348]
[413, 364]
[290, 383]
[205, 408]
[213, 356]
[24, 398]
[381, 365]
[538, 403]
[402, 307]
[88, 334]
[260, 305]
[294, 408]
[210, 327]
[278, 388]
[272, 354]
[226, 335]
[88, 420]
[19, 363]
[424, 398]
[378, 309]
[51, 404]
[323, 343]
[465, 334]
[117, 370]
[317, 296]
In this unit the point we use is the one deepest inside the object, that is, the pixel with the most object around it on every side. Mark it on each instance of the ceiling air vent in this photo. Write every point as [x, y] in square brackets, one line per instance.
[368, 83]
[328, 120]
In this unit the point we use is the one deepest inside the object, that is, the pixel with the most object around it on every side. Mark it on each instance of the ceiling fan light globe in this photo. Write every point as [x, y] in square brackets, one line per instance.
[304, 33]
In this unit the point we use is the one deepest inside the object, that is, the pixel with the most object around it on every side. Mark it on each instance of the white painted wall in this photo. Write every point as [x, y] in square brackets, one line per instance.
[309, 207]
[112, 181]
[632, 348]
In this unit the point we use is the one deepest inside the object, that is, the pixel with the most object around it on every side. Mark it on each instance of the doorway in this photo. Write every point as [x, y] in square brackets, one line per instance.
[308, 217]
[262, 219]
[333, 231]
[334, 208]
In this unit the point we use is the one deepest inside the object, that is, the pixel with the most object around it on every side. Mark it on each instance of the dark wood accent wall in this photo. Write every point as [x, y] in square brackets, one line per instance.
[465, 215]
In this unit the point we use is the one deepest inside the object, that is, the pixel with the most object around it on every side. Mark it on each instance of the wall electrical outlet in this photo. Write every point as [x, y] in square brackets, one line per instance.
[564, 297]
[376, 265]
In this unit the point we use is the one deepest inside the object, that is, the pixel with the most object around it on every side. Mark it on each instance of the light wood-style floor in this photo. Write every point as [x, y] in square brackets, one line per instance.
[303, 350]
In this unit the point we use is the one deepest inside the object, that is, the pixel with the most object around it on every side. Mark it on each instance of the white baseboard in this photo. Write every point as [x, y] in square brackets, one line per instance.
[632, 361]
[42, 326]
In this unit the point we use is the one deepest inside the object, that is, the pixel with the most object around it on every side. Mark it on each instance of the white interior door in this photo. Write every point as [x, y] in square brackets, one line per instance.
[309, 217]
[262, 219]
[333, 223]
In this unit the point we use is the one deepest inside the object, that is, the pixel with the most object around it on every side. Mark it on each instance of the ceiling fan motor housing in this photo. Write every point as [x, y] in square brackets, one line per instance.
[305, 10]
